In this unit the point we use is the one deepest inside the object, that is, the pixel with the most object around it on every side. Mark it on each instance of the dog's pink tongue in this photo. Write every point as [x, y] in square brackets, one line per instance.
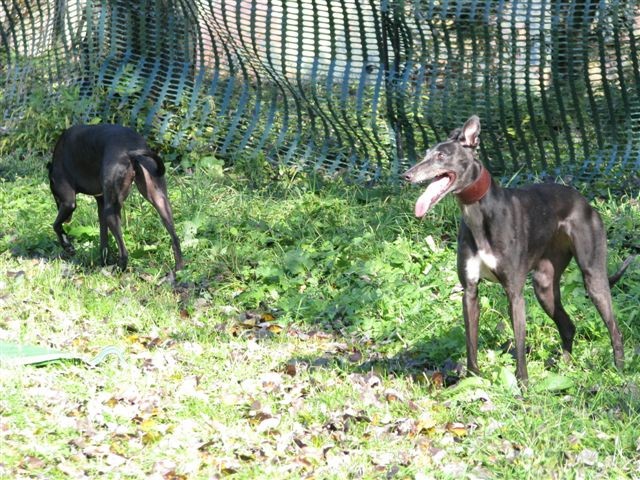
[431, 195]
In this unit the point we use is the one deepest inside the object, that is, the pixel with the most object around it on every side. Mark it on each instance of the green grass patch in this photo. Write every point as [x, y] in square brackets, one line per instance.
[315, 332]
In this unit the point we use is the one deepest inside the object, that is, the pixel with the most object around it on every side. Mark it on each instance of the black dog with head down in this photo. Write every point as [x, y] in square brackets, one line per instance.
[103, 161]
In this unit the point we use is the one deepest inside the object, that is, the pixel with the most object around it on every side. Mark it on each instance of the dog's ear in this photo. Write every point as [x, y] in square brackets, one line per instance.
[455, 134]
[470, 135]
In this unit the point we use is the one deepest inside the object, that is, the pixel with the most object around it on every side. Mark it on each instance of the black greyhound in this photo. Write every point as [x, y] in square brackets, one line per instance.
[505, 233]
[103, 161]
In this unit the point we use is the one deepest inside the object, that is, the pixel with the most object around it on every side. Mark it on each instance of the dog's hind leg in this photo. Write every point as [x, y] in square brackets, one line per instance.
[597, 286]
[154, 189]
[546, 284]
[112, 219]
[66, 201]
[103, 229]
[590, 251]
[116, 189]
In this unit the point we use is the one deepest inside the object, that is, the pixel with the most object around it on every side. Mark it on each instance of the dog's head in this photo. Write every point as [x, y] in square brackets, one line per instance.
[451, 166]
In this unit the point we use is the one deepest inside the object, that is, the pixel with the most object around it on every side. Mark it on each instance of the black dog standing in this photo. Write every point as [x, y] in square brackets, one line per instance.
[506, 233]
[103, 161]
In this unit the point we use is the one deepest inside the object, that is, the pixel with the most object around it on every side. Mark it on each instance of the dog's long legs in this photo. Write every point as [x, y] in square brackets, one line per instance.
[598, 288]
[103, 230]
[517, 309]
[591, 255]
[66, 207]
[154, 189]
[164, 210]
[115, 193]
[471, 312]
[546, 284]
[112, 219]
[514, 287]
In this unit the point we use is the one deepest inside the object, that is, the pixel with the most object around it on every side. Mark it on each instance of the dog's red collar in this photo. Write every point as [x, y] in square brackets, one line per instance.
[477, 190]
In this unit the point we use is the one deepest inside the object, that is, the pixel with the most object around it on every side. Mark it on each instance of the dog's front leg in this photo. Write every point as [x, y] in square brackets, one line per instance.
[469, 276]
[471, 312]
[518, 320]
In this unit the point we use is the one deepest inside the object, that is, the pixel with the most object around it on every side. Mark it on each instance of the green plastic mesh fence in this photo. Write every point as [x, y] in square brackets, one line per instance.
[342, 85]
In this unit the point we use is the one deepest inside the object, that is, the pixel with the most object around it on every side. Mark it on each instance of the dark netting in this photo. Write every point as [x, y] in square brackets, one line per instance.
[342, 86]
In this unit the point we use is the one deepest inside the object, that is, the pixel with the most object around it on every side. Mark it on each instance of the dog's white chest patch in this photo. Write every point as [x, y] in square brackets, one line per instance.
[481, 266]
[488, 259]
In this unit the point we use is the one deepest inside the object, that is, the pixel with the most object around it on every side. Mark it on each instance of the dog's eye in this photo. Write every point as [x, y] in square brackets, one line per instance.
[440, 156]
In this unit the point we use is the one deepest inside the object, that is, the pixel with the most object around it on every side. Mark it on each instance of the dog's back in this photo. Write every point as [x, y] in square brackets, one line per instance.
[86, 154]
[89, 144]
[549, 202]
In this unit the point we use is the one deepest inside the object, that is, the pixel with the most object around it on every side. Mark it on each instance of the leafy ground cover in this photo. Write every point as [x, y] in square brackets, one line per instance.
[316, 333]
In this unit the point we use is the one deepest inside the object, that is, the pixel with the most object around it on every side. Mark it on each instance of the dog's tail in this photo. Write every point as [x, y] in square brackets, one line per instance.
[142, 156]
[616, 276]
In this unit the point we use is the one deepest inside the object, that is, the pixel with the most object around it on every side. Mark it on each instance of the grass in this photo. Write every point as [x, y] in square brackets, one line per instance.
[316, 333]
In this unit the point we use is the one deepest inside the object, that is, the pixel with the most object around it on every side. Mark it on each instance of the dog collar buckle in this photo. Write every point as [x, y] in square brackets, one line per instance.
[477, 190]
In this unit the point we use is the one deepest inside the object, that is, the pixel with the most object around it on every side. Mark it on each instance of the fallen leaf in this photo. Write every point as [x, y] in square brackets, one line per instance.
[426, 422]
[250, 323]
[291, 369]
[164, 467]
[336, 458]
[382, 459]
[114, 460]
[392, 395]
[71, 470]
[453, 469]
[360, 415]
[437, 454]
[172, 475]
[29, 462]
[553, 383]
[480, 473]
[271, 381]
[431, 244]
[355, 356]
[189, 388]
[457, 429]
[508, 381]
[268, 424]
[437, 380]
[405, 426]
[587, 457]
[151, 437]
[274, 328]
[96, 451]
[510, 451]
